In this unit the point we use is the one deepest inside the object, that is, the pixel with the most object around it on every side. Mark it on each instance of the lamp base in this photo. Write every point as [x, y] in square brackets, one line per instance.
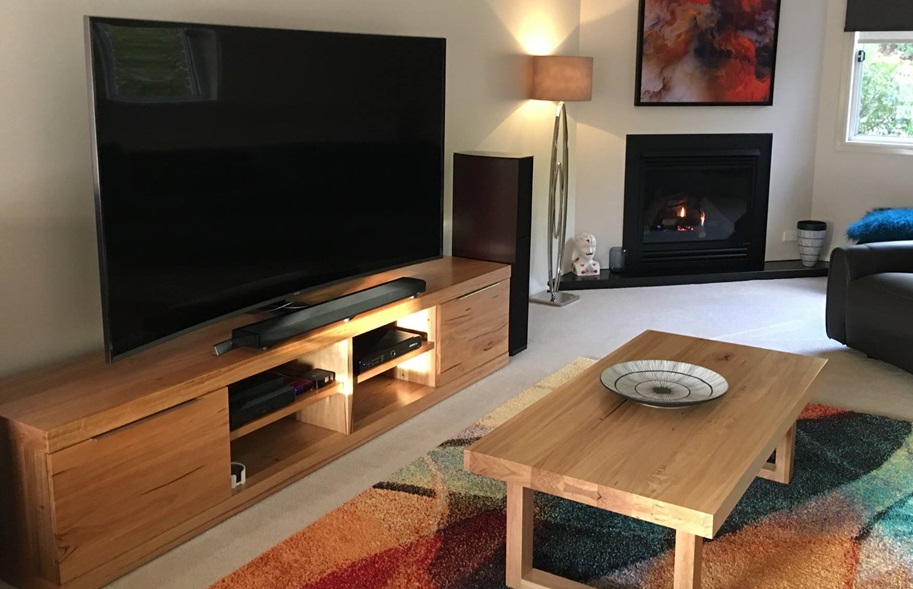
[557, 299]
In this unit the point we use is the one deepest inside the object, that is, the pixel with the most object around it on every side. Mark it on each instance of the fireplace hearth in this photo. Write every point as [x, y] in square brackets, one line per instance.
[695, 212]
[696, 203]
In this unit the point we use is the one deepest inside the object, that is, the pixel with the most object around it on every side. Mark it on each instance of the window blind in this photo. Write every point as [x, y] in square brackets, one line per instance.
[879, 15]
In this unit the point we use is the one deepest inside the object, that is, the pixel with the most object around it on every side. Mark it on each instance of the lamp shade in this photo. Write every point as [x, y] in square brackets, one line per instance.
[561, 78]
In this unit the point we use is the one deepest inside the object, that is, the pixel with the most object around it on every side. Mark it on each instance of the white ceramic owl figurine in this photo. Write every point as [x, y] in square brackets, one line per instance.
[584, 264]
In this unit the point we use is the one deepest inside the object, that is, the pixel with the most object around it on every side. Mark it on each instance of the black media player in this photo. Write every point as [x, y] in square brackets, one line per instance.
[256, 396]
[381, 345]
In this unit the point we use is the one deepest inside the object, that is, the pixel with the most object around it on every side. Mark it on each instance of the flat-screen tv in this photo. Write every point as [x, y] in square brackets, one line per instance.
[236, 166]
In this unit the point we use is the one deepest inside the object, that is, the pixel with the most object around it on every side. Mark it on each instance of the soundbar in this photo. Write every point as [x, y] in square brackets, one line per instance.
[268, 332]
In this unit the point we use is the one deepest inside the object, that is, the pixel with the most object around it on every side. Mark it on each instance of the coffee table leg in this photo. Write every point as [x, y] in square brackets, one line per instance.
[519, 534]
[688, 550]
[781, 470]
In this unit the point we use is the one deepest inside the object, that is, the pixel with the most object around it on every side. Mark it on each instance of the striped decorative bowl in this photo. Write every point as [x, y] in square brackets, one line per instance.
[664, 383]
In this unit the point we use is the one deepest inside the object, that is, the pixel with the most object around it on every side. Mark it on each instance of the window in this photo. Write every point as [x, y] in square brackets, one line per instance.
[881, 102]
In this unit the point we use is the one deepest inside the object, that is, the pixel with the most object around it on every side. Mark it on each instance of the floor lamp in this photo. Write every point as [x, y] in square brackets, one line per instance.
[562, 79]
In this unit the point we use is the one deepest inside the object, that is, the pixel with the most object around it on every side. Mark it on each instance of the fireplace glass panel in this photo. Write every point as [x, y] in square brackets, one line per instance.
[696, 203]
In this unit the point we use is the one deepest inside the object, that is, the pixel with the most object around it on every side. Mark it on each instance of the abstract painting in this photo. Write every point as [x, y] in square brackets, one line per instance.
[706, 52]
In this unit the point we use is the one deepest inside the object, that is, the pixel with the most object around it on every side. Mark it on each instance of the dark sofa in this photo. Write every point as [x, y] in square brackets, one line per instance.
[870, 300]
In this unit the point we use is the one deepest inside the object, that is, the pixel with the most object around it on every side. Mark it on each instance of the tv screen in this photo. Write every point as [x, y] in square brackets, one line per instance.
[236, 166]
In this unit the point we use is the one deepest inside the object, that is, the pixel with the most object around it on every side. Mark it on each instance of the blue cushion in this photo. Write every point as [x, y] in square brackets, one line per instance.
[882, 225]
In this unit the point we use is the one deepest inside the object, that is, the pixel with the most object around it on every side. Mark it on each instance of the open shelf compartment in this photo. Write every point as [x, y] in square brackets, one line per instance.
[381, 368]
[300, 403]
[381, 397]
[285, 442]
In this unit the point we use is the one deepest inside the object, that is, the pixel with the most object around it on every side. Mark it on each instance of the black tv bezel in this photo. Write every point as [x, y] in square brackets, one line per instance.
[110, 356]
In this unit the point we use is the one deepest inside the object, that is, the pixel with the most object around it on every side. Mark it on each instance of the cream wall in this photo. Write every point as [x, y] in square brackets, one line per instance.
[49, 292]
[849, 182]
[609, 33]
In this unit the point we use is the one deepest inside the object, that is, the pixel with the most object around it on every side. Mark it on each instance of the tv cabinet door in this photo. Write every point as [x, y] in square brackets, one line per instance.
[473, 330]
[120, 489]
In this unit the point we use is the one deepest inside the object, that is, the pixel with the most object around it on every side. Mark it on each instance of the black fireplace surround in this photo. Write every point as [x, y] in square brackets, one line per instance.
[696, 203]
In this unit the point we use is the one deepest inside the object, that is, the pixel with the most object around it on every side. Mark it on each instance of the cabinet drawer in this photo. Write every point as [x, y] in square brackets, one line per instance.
[124, 487]
[473, 330]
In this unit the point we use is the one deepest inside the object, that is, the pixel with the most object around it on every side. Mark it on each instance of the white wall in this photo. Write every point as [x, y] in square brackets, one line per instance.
[49, 293]
[849, 182]
[609, 33]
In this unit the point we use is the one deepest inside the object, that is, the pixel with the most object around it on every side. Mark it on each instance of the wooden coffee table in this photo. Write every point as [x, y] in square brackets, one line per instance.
[683, 468]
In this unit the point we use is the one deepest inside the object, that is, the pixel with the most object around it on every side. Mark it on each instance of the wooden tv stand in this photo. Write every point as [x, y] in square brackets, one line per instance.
[105, 466]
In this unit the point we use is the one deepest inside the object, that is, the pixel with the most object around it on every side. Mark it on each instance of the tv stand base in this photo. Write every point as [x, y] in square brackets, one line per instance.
[103, 467]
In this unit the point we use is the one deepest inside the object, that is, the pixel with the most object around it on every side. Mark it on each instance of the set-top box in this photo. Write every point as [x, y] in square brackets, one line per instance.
[382, 345]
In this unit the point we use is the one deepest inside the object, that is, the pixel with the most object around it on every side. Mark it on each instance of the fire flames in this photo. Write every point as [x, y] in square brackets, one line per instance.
[680, 213]
[683, 213]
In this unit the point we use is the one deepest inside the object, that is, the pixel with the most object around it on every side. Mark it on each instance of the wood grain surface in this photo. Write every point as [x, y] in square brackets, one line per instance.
[105, 466]
[473, 330]
[116, 491]
[82, 398]
[681, 468]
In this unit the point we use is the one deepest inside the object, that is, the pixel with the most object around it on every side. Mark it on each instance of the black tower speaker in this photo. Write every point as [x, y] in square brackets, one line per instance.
[492, 214]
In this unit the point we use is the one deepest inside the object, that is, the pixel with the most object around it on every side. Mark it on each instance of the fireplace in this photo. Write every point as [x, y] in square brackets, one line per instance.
[696, 203]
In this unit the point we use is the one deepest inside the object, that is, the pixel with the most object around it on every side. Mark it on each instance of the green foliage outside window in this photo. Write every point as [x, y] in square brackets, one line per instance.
[886, 92]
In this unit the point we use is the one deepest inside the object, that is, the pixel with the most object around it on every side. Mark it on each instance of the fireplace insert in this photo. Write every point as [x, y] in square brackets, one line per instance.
[696, 203]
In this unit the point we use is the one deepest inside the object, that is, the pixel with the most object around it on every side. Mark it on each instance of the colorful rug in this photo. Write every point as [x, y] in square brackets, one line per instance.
[845, 522]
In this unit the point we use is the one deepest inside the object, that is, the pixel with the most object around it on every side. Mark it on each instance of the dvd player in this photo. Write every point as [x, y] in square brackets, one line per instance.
[256, 396]
[382, 345]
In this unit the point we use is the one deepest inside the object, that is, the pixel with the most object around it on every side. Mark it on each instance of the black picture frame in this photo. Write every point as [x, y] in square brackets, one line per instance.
[719, 53]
